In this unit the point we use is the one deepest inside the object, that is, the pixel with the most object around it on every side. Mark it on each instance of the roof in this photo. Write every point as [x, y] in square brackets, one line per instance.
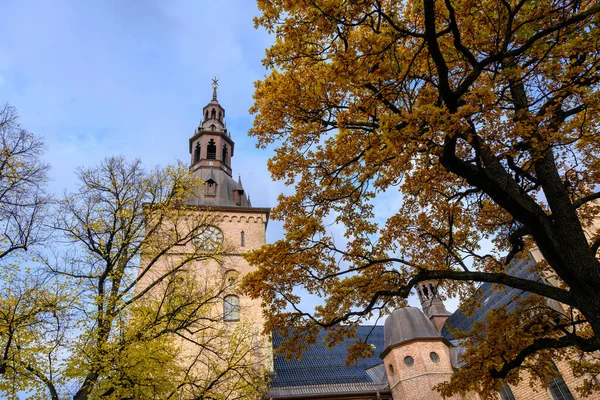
[408, 323]
[322, 372]
[225, 188]
[320, 365]
[337, 391]
[493, 298]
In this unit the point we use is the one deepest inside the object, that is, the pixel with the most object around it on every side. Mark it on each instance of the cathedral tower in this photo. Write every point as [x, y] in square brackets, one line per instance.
[236, 225]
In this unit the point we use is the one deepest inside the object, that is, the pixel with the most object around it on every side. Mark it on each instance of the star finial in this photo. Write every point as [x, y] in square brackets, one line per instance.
[215, 85]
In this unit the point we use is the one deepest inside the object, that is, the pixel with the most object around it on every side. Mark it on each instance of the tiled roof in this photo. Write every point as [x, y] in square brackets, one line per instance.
[323, 371]
[494, 298]
[407, 323]
[320, 365]
[336, 390]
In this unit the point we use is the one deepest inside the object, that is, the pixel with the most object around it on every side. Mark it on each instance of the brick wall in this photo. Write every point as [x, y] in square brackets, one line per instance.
[540, 392]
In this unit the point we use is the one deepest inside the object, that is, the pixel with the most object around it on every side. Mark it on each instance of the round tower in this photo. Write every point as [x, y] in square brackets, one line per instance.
[415, 355]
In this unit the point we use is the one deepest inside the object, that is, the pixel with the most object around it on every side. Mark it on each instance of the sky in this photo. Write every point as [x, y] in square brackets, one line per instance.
[97, 79]
[112, 77]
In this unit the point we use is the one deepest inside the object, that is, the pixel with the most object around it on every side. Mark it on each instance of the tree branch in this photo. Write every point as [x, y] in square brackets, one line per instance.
[586, 199]
[587, 345]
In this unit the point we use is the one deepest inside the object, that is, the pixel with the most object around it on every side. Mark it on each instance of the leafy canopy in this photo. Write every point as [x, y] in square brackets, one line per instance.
[118, 306]
[478, 118]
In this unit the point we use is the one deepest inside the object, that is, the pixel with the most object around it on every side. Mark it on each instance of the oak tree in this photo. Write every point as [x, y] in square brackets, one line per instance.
[444, 139]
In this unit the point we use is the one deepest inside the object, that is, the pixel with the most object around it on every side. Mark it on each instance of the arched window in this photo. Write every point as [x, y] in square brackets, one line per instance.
[206, 115]
[224, 154]
[242, 239]
[506, 393]
[558, 387]
[213, 113]
[231, 308]
[433, 289]
[197, 152]
[220, 116]
[231, 277]
[425, 292]
[211, 150]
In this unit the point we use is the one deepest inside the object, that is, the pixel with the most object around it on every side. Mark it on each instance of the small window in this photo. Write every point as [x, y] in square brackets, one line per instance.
[231, 308]
[505, 393]
[211, 150]
[434, 357]
[231, 277]
[242, 239]
[409, 361]
[391, 368]
[558, 388]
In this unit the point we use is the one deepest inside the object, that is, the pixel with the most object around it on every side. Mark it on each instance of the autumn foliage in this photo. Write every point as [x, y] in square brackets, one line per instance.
[116, 304]
[444, 139]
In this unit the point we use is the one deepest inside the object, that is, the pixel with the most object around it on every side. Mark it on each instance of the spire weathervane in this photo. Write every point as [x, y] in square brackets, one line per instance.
[215, 85]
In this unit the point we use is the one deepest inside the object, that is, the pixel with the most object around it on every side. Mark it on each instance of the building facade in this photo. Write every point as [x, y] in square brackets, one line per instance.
[238, 226]
[414, 350]
[223, 354]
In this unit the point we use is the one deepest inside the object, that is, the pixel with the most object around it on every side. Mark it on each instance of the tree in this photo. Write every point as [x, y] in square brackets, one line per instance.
[28, 302]
[142, 319]
[23, 175]
[477, 122]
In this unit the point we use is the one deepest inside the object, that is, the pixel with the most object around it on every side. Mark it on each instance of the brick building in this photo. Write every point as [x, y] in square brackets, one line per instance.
[414, 350]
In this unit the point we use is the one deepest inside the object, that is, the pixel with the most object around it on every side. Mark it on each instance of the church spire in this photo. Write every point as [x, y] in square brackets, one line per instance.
[211, 149]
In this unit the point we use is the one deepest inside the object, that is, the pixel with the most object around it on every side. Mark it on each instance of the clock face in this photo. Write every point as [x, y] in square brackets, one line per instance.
[209, 239]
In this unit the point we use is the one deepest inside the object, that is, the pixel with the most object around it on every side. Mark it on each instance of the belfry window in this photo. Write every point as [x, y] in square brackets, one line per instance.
[213, 113]
[211, 150]
[231, 308]
[197, 152]
[220, 116]
[206, 115]
[224, 154]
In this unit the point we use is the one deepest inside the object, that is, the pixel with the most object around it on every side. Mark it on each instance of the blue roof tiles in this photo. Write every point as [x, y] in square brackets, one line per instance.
[320, 365]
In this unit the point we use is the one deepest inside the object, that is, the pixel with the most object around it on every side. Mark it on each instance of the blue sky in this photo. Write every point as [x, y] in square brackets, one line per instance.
[131, 77]
[102, 78]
